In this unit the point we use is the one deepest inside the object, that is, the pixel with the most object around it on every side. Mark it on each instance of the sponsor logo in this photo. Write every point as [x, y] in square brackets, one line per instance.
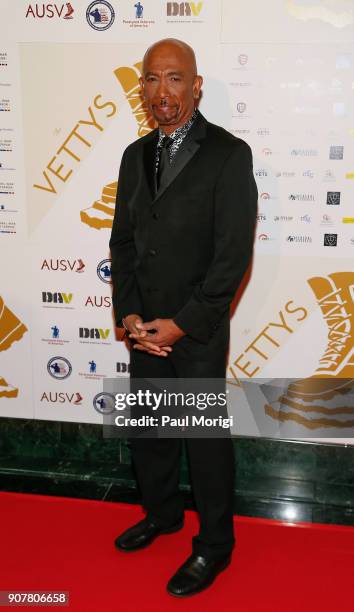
[59, 367]
[241, 83]
[282, 218]
[242, 59]
[261, 172]
[138, 21]
[139, 10]
[285, 174]
[50, 11]
[104, 270]
[329, 176]
[261, 217]
[333, 198]
[297, 239]
[87, 334]
[63, 265]
[98, 301]
[304, 152]
[241, 107]
[91, 371]
[183, 9]
[56, 299]
[308, 173]
[326, 220]
[100, 15]
[264, 237]
[336, 152]
[301, 197]
[54, 337]
[53, 397]
[348, 220]
[330, 240]
[104, 403]
[305, 219]
[122, 367]
[263, 132]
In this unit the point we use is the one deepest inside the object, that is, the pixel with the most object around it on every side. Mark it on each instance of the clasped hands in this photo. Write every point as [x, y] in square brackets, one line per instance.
[160, 341]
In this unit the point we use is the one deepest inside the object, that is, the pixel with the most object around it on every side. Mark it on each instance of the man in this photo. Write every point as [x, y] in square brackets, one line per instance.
[181, 242]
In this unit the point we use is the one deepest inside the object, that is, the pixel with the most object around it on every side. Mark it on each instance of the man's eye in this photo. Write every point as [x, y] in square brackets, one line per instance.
[149, 79]
[175, 78]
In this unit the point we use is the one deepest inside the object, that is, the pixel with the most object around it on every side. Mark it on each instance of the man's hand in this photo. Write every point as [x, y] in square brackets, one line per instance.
[165, 333]
[133, 323]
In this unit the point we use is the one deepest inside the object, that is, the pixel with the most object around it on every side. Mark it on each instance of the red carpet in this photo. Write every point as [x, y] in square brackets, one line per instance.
[53, 543]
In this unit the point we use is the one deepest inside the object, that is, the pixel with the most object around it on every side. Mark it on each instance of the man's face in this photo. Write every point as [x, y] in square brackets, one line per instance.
[170, 86]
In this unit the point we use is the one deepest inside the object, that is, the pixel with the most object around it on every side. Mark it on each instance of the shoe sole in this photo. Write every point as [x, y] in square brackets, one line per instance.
[166, 531]
[181, 596]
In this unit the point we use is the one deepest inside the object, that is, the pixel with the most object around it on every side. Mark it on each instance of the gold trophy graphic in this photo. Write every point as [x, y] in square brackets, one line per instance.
[326, 398]
[100, 214]
[11, 330]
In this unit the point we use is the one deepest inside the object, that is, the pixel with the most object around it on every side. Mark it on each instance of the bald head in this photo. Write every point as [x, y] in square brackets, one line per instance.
[172, 45]
[170, 83]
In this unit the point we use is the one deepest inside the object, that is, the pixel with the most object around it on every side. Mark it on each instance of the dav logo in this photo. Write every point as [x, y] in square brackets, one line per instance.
[39, 11]
[94, 333]
[184, 9]
[57, 297]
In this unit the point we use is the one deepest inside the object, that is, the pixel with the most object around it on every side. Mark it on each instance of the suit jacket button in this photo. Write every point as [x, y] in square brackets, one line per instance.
[152, 252]
[155, 215]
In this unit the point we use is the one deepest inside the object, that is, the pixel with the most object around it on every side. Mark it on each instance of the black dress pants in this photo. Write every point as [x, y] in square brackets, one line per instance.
[211, 461]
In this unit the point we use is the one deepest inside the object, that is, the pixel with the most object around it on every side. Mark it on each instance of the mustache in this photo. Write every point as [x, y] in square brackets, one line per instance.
[163, 102]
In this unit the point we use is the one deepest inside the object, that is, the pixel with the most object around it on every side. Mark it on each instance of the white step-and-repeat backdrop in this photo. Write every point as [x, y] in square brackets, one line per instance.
[280, 75]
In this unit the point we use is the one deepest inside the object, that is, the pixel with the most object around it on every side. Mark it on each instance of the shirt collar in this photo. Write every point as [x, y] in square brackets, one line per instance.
[182, 130]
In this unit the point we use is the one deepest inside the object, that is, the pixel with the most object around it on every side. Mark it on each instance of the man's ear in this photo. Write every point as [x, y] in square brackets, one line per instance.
[197, 85]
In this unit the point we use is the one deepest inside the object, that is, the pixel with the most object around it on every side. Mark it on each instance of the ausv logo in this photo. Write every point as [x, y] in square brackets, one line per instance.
[57, 298]
[63, 265]
[326, 398]
[93, 333]
[40, 10]
[184, 9]
[53, 397]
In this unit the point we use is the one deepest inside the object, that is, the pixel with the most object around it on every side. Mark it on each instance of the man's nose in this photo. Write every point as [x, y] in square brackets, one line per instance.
[162, 90]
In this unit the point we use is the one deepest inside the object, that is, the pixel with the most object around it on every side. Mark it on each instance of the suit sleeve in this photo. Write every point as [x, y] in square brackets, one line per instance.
[126, 297]
[235, 216]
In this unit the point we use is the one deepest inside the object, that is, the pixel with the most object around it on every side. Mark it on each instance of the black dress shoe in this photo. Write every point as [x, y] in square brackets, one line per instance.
[196, 574]
[142, 534]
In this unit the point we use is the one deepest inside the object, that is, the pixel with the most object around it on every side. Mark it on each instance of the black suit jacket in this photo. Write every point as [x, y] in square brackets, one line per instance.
[181, 253]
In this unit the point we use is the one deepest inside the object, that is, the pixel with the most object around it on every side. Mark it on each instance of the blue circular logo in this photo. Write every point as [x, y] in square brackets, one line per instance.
[104, 270]
[59, 368]
[100, 15]
[104, 403]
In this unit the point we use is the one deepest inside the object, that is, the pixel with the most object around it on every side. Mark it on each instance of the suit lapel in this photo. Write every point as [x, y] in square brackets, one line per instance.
[182, 158]
[188, 149]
